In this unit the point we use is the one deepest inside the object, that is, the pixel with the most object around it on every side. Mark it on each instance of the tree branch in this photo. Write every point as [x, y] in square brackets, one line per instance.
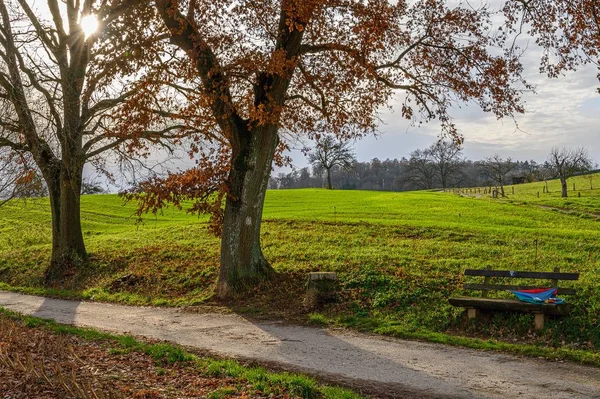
[215, 84]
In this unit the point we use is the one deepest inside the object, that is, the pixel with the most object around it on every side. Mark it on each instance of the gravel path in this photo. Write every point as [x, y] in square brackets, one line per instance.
[381, 366]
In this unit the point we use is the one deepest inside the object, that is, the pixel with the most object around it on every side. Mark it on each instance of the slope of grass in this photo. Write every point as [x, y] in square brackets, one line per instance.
[399, 257]
[583, 194]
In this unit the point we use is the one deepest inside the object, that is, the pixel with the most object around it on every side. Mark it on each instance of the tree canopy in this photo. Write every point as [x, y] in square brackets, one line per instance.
[567, 30]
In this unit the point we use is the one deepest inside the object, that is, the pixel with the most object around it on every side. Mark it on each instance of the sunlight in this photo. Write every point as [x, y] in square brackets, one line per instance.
[89, 25]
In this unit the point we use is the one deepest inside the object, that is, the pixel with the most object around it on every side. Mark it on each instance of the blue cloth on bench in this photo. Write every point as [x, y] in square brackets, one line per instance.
[539, 296]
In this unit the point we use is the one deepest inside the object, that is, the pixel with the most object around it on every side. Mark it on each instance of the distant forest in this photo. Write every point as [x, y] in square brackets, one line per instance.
[439, 166]
[397, 175]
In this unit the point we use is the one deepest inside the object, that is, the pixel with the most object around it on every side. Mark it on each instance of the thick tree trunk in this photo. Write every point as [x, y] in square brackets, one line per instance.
[53, 183]
[71, 236]
[242, 260]
[563, 184]
[68, 247]
[329, 186]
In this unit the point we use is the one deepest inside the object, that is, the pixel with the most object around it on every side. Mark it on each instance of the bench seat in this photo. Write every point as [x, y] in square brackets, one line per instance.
[540, 311]
[510, 305]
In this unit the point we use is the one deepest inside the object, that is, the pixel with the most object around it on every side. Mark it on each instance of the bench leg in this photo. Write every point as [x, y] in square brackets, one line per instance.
[539, 321]
[471, 313]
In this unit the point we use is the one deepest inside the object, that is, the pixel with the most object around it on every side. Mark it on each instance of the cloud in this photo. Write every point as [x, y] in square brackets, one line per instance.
[564, 112]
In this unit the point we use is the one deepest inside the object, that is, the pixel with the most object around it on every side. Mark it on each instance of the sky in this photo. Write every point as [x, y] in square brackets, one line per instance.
[564, 112]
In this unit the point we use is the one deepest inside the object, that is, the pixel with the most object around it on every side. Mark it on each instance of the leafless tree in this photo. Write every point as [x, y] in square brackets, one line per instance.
[420, 169]
[497, 169]
[18, 177]
[440, 163]
[543, 173]
[329, 153]
[566, 163]
[70, 97]
[11, 171]
[447, 160]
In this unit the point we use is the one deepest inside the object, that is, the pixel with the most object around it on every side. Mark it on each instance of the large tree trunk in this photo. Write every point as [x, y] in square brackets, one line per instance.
[242, 260]
[52, 179]
[68, 247]
[563, 184]
[71, 236]
[329, 186]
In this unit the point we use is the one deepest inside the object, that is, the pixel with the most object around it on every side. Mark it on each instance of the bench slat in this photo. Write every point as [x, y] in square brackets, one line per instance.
[520, 274]
[510, 305]
[500, 287]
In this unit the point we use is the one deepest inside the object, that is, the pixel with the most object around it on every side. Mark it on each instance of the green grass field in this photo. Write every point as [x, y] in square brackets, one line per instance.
[399, 257]
[583, 194]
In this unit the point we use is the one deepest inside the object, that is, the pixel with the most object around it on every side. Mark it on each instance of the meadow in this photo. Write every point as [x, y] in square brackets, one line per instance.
[399, 256]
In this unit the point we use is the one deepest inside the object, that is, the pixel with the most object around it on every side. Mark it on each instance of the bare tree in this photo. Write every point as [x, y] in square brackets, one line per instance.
[543, 173]
[567, 162]
[18, 177]
[497, 170]
[329, 153]
[90, 186]
[75, 82]
[447, 160]
[420, 170]
[440, 163]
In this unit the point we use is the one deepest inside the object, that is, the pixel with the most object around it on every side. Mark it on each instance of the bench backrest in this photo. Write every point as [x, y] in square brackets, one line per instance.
[554, 277]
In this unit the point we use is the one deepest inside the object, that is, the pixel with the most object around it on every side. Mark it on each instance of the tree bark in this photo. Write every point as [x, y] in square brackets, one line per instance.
[563, 184]
[52, 179]
[68, 247]
[71, 236]
[242, 260]
[329, 186]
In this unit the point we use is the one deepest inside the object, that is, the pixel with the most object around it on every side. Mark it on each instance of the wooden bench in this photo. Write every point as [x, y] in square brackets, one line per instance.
[473, 304]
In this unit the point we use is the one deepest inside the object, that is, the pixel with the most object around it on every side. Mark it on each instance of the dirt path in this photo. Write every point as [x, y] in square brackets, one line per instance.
[383, 366]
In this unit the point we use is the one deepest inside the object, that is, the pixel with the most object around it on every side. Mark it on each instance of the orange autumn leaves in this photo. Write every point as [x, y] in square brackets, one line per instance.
[308, 68]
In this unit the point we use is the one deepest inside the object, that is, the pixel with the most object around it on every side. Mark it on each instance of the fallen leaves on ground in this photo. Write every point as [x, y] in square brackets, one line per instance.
[36, 363]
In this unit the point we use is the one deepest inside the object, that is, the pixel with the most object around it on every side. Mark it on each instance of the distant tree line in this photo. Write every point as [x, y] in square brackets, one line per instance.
[438, 166]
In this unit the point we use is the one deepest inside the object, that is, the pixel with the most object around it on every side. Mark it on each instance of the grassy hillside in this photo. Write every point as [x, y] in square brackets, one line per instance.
[583, 194]
[399, 257]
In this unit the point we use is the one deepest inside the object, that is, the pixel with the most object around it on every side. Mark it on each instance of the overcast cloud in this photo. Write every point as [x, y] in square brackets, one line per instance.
[563, 112]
